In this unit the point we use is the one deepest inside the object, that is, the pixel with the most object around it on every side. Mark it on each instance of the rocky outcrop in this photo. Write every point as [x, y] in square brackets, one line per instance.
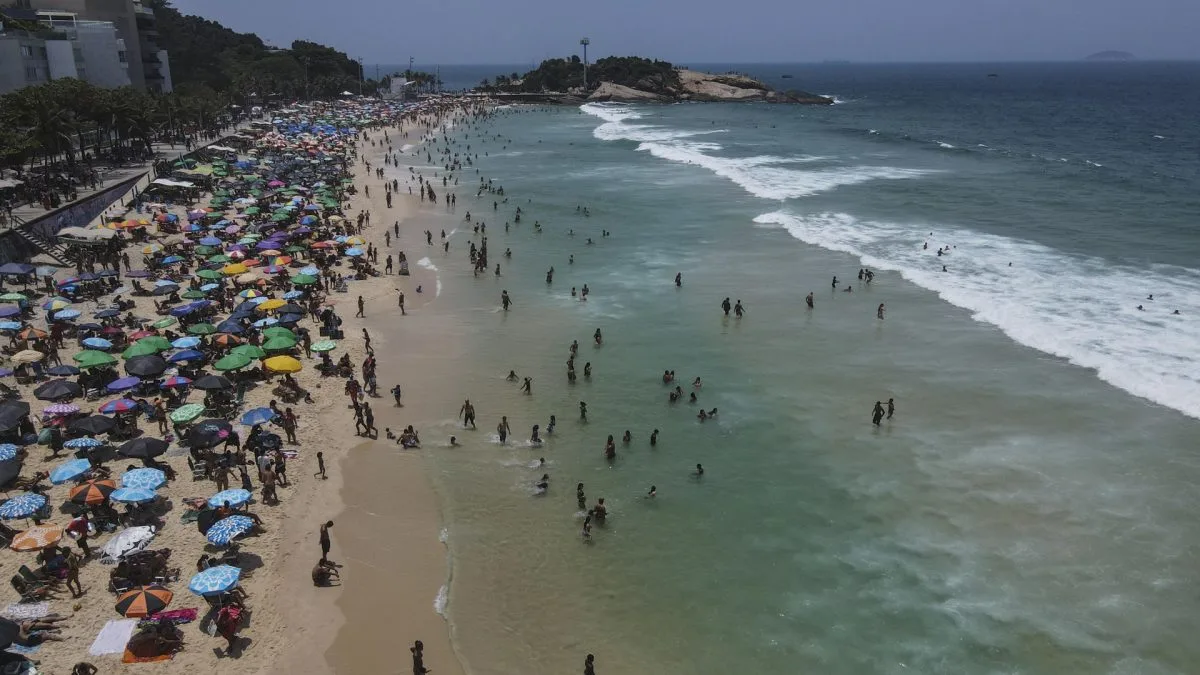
[607, 91]
[697, 86]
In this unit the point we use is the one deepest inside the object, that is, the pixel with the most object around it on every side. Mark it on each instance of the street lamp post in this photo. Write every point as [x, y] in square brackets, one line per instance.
[585, 42]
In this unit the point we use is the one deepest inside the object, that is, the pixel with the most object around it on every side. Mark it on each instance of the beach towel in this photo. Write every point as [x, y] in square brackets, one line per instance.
[20, 611]
[175, 616]
[113, 637]
[129, 657]
[15, 648]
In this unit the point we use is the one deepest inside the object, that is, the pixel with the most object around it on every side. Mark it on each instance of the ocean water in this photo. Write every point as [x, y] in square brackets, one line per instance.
[1030, 508]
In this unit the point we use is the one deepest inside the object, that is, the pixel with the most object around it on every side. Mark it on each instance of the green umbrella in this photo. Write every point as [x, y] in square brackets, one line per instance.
[194, 294]
[221, 258]
[209, 274]
[281, 216]
[232, 362]
[202, 329]
[158, 342]
[279, 343]
[252, 351]
[295, 249]
[205, 250]
[13, 297]
[304, 279]
[139, 349]
[278, 331]
[165, 322]
[90, 358]
[253, 210]
[324, 346]
[186, 413]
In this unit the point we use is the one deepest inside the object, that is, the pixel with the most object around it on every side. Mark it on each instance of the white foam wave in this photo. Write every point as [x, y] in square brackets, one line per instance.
[428, 264]
[764, 176]
[945, 145]
[439, 602]
[835, 98]
[1081, 309]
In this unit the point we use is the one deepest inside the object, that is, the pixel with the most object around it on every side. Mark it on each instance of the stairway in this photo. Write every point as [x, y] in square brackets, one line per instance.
[59, 252]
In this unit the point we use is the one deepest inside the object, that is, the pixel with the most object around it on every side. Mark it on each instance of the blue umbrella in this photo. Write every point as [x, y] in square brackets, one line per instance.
[11, 310]
[107, 313]
[118, 405]
[185, 342]
[133, 495]
[144, 479]
[164, 282]
[81, 443]
[254, 302]
[290, 318]
[184, 310]
[263, 323]
[97, 343]
[69, 471]
[210, 287]
[5, 372]
[235, 497]
[214, 580]
[258, 416]
[310, 270]
[66, 314]
[123, 384]
[8, 451]
[172, 259]
[227, 529]
[10, 325]
[210, 241]
[185, 355]
[22, 506]
[354, 252]
[63, 370]
[292, 295]
[230, 327]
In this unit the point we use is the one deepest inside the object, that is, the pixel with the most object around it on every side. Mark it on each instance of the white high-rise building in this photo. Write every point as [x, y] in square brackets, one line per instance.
[63, 46]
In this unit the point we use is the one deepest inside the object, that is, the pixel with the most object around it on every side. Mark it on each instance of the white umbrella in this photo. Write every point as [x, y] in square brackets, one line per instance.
[129, 540]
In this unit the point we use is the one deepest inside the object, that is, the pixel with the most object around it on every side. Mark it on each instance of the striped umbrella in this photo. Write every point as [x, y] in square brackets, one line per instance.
[36, 537]
[144, 600]
[176, 381]
[22, 506]
[92, 492]
[228, 529]
[132, 495]
[8, 451]
[69, 471]
[214, 580]
[234, 497]
[118, 405]
[146, 479]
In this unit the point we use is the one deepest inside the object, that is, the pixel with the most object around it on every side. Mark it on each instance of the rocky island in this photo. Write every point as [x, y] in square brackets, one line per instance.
[633, 79]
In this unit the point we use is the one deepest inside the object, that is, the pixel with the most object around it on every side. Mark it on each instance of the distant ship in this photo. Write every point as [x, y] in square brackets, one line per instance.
[786, 77]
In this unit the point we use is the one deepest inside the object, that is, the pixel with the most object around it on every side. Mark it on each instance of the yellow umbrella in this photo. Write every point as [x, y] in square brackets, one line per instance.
[355, 241]
[36, 537]
[152, 248]
[269, 305]
[282, 364]
[336, 219]
[27, 356]
[234, 269]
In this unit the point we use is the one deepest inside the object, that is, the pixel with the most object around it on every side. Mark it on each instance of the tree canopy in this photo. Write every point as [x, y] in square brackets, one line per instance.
[561, 75]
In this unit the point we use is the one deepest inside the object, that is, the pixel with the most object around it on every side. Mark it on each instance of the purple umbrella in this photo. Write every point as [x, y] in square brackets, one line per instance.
[124, 383]
[138, 274]
[9, 310]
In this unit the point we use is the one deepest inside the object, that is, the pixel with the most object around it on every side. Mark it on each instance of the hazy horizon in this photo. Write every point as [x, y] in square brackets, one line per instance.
[469, 32]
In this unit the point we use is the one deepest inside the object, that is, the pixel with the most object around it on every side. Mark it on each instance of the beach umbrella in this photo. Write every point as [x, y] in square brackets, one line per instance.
[132, 495]
[279, 343]
[273, 303]
[249, 293]
[5, 372]
[232, 362]
[84, 443]
[212, 383]
[90, 358]
[144, 601]
[106, 314]
[69, 470]
[27, 356]
[263, 323]
[7, 312]
[234, 498]
[324, 346]
[252, 351]
[9, 469]
[293, 295]
[55, 304]
[144, 479]
[127, 541]
[176, 381]
[123, 384]
[193, 295]
[158, 342]
[228, 529]
[258, 416]
[22, 506]
[57, 389]
[185, 342]
[46, 271]
[9, 326]
[165, 322]
[8, 451]
[202, 329]
[230, 327]
[139, 349]
[215, 580]
[234, 269]
[208, 433]
[66, 314]
[13, 297]
[97, 343]
[165, 290]
[58, 410]
[36, 538]
[93, 425]
[304, 280]
[278, 331]
[119, 405]
[92, 492]
[208, 274]
[186, 413]
[62, 371]
[146, 366]
[144, 447]
[282, 364]
[185, 355]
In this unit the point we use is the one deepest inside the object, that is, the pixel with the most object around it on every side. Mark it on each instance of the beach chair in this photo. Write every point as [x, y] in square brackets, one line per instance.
[35, 578]
[29, 592]
[199, 469]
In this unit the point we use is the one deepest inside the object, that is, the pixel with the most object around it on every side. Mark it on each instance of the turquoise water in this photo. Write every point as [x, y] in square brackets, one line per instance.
[1028, 510]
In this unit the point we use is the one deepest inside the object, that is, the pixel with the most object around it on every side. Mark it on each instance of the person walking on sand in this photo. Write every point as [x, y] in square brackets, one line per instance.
[400, 301]
[502, 429]
[467, 412]
[589, 665]
[320, 466]
[877, 413]
[367, 342]
[369, 420]
[361, 306]
[324, 540]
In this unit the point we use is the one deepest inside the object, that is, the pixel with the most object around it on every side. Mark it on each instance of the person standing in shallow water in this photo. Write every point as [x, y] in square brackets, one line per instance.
[877, 413]
[502, 429]
[725, 306]
[879, 312]
[808, 299]
[891, 408]
[505, 300]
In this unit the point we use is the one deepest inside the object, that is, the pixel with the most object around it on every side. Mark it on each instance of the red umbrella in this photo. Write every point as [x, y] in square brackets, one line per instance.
[141, 334]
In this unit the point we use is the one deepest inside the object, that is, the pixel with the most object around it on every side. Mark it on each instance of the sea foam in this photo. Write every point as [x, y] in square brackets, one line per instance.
[1078, 308]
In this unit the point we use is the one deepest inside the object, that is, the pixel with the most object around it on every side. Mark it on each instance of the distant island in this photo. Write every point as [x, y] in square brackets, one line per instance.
[1111, 55]
[633, 79]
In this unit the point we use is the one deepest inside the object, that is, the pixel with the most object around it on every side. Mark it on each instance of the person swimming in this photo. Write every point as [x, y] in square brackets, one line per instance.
[543, 484]
[699, 471]
[453, 442]
[627, 437]
[653, 492]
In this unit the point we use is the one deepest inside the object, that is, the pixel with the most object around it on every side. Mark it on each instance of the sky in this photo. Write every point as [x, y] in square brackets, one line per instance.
[709, 31]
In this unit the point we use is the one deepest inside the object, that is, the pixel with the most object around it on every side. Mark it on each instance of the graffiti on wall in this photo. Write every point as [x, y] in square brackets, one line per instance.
[81, 212]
